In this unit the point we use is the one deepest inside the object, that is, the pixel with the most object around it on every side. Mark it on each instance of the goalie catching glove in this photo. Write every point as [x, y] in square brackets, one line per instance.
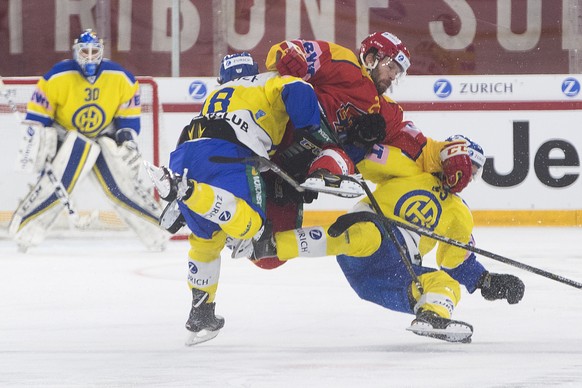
[170, 186]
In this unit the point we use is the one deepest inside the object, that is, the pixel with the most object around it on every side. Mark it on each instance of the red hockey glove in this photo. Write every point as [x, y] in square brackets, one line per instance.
[457, 166]
[292, 62]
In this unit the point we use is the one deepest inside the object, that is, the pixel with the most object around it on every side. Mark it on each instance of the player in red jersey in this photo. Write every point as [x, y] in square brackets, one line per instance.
[349, 88]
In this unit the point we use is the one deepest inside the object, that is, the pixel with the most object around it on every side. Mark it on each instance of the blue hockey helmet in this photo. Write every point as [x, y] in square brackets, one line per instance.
[88, 52]
[475, 152]
[234, 66]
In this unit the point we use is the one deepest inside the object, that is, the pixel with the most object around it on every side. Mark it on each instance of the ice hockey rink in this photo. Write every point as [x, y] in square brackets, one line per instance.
[102, 312]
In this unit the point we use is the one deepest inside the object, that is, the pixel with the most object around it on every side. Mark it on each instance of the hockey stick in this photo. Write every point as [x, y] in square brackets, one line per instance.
[428, 233]
[263, 164]
[376, 206]
[81, 222]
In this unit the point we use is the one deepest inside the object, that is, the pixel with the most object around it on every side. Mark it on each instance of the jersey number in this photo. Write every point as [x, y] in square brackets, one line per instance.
[220, 100]
[91, 94]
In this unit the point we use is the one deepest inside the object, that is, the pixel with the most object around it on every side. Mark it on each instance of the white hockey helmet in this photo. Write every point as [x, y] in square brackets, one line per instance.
[88, 52]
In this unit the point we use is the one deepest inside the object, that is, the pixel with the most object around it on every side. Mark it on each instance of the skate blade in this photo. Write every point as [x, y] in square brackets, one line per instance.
[241, 249]
[347, 189]
[454, 332]
[195, 338]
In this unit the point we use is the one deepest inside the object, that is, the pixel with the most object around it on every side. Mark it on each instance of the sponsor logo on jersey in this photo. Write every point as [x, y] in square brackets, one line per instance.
[315, 234]
[442, 88]
[257, 186]
[419, 207]
[260, 113]
[232, 118]
[216, 208]
[303, 244]
[225, 216]
[192, 268]
[198, 282]
[197, 90]
[570, 87]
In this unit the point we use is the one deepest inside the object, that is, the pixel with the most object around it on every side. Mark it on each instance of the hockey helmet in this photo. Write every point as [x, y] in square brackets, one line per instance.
[385, 44]
[475, 152]
[238, 65]
[88, 52]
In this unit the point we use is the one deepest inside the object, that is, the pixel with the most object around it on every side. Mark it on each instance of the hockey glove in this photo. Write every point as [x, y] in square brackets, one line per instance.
[367, 130]
[292, 61]
[501, 286]
[457, 166]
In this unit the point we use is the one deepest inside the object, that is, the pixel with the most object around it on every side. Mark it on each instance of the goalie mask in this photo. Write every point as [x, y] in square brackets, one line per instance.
[382, 45]
[475, 153]
[88, 52]
[235, 66]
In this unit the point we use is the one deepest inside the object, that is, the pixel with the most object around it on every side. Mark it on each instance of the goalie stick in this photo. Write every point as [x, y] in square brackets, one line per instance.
[81, 222]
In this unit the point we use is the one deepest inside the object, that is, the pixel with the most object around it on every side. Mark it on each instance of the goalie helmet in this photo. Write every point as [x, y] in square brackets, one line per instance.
[88, 52]
[475, 152]
[234, 66]
[382, 45]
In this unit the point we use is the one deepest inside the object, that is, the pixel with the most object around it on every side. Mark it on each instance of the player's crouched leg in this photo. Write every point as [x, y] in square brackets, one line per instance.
[358, 240]
[435, 306]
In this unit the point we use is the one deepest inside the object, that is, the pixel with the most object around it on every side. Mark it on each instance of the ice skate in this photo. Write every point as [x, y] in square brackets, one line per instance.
[429, 324]
[264, 244]
[347, 186]
[202, 324]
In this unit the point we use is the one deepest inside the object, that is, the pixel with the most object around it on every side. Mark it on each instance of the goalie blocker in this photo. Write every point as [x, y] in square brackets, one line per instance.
[75, 158]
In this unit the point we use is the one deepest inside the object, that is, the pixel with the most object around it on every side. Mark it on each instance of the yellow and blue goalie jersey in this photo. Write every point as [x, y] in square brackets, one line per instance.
[259, 107]
[65, 97]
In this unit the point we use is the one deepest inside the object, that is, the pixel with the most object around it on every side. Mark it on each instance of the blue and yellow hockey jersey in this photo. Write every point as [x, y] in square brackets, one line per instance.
[65, 97]
[259, 107]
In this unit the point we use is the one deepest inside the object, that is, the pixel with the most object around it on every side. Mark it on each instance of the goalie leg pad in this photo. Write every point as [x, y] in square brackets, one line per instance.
[41, 207]
[134, 202]
[37, 145]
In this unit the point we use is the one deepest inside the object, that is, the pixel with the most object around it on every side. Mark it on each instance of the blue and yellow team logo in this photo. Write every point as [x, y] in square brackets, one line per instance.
[89, 119]
[419, 207]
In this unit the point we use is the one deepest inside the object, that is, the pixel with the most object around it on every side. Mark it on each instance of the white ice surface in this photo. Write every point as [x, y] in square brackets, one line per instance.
[102, 312]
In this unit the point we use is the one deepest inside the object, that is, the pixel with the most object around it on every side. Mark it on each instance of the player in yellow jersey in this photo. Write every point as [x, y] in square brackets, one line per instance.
[84, 116]
[247, 117]
[371, 262]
